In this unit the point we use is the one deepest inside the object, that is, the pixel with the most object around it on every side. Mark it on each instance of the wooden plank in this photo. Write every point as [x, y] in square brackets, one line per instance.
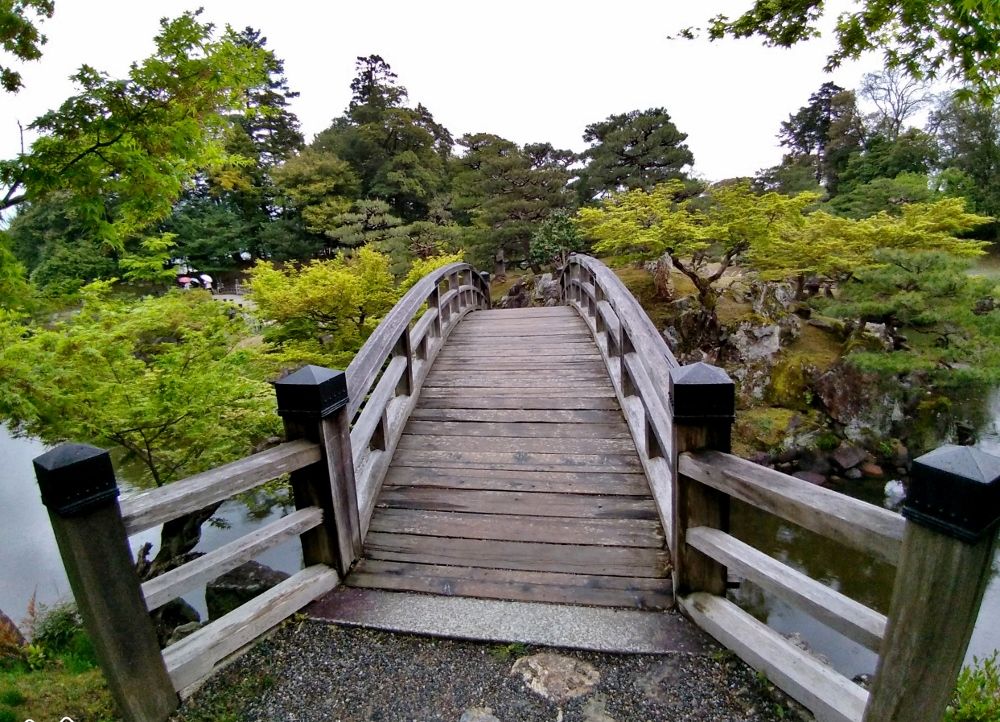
[579, 382]
[502, 430]
[518, 527]
[544, 445]
[517, 460]
[515, 376]
[537, 504]
[536, 402]
[518, 392]
[852, 619]
[535, 312]
[160, 590]
[147, 509]
[421, 327]
[530, 556]
[576, 482]
[526, 586]
[575, 417]
[539, 364]
[501, 336]
[830, 696]
[848, 521]
[474, 353]
[192, 659]
[550, 357]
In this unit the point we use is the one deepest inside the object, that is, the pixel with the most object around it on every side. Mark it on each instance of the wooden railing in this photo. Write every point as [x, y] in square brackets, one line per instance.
[639, 363]
[342, 430]
[681, 417]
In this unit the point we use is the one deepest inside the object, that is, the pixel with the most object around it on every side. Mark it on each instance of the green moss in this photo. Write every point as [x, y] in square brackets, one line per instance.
[818, 346]
[791, 382]
[761, 429]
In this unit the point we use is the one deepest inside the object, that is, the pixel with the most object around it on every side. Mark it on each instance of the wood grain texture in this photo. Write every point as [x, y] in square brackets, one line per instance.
[852, 619]
[517, 477]
[830, 696]
[848, 521]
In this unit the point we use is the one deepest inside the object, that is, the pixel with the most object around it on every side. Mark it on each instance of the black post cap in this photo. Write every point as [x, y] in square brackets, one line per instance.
[485, 275]
[955, 490]
[312, 392]
[75, 478]
[701, 391]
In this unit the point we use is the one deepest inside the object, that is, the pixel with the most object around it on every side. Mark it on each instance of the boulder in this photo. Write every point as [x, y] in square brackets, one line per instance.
[516, 296]
[11, 639]
[171, 616]
[772, 300]
[872, 470]
[223, 594]
[478, 714]
[756, 342]
[853, 474]
[859, 401]
[847, 455]
[547, 291]
[661, 270]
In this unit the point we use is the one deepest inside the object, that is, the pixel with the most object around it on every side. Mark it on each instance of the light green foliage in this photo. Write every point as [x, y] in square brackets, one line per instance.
[942, 318]
[977, 694]
[14, 290]
[926, 38]
[166, 379]
[20, 37]
[339, 301]
[324, 311]
[882, 194]
[123, 149]
[632, 150]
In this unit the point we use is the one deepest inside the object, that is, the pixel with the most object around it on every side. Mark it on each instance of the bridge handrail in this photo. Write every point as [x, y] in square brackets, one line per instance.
[638, 361]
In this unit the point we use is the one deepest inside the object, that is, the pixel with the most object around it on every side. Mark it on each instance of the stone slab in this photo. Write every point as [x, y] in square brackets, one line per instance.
[554, 625]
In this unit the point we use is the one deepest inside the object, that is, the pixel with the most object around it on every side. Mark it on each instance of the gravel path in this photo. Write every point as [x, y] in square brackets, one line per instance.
[315, 672]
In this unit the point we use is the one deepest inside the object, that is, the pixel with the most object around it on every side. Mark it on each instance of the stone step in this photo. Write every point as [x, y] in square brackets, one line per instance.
[554, 625]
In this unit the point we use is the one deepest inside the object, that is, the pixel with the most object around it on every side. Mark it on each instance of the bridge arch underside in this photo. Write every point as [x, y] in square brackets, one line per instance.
[516, 476]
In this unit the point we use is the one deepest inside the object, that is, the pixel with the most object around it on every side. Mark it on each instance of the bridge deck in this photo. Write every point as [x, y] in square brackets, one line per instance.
[516, 476]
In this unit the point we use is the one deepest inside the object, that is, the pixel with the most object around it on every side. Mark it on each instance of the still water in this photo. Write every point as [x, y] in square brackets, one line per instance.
[30, 563]
[29, 560]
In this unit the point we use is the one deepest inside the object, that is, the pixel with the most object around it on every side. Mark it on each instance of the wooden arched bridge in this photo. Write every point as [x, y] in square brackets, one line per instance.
[557, 459]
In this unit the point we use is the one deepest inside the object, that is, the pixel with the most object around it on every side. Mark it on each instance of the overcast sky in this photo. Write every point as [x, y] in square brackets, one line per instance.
[528, 71]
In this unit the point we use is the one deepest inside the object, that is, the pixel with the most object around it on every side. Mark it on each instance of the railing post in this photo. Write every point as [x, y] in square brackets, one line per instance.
[952, 509]
[704, 404]
[313, 404]
[78, 487]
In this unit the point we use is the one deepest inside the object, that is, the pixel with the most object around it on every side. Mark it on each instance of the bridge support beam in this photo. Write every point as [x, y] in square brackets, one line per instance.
[704, 405]
[313, 404]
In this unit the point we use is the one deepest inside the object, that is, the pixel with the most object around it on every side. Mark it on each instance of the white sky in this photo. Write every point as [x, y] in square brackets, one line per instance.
[528, 71]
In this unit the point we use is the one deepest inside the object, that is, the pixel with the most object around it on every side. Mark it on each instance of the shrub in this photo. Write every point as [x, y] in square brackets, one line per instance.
[977, 692]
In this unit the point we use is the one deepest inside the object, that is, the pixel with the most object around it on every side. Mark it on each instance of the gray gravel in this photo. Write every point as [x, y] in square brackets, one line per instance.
[310, 671]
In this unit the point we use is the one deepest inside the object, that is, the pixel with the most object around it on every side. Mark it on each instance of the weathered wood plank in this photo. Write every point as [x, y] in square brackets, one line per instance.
[501, 364]
[519, 392]
[193, 658]
[519, 430]
[529, 556]
[539, 312]
[830, 696]
[146, 509]
[536, 402]
[550, 357]
[545, 445]
[421, 327]
[160, 590]
[551, 587]
[475, 353]
[517, 527]
[575, 417]
[576, 482]
[852, 619]
[538, 504]
[848, 521]
[517, 460]
[580, 382]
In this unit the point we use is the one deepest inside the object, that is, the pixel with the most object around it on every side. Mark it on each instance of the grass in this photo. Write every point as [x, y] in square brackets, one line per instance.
[54, 693]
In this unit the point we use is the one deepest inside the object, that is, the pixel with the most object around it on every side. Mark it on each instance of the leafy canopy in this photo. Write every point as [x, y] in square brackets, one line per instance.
[166, 379]
[20, 37]
[926, 38]
[124, 148]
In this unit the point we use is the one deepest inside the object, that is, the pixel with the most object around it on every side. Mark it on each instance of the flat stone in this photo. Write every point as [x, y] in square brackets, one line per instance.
[811, 476]
[872, 471]
[598, 629]
[847, 456]
[556, 677]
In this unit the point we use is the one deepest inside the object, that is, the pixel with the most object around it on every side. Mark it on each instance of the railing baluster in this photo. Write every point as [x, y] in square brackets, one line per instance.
[78, 487]
[313, 404]
[704, 403]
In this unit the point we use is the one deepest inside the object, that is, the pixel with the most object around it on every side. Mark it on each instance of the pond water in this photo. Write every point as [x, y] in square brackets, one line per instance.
[29, 559]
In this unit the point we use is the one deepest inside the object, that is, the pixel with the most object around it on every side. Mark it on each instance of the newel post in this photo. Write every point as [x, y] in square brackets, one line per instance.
[704, 404]
[313, 404]
[952, 508]
[78, 487]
